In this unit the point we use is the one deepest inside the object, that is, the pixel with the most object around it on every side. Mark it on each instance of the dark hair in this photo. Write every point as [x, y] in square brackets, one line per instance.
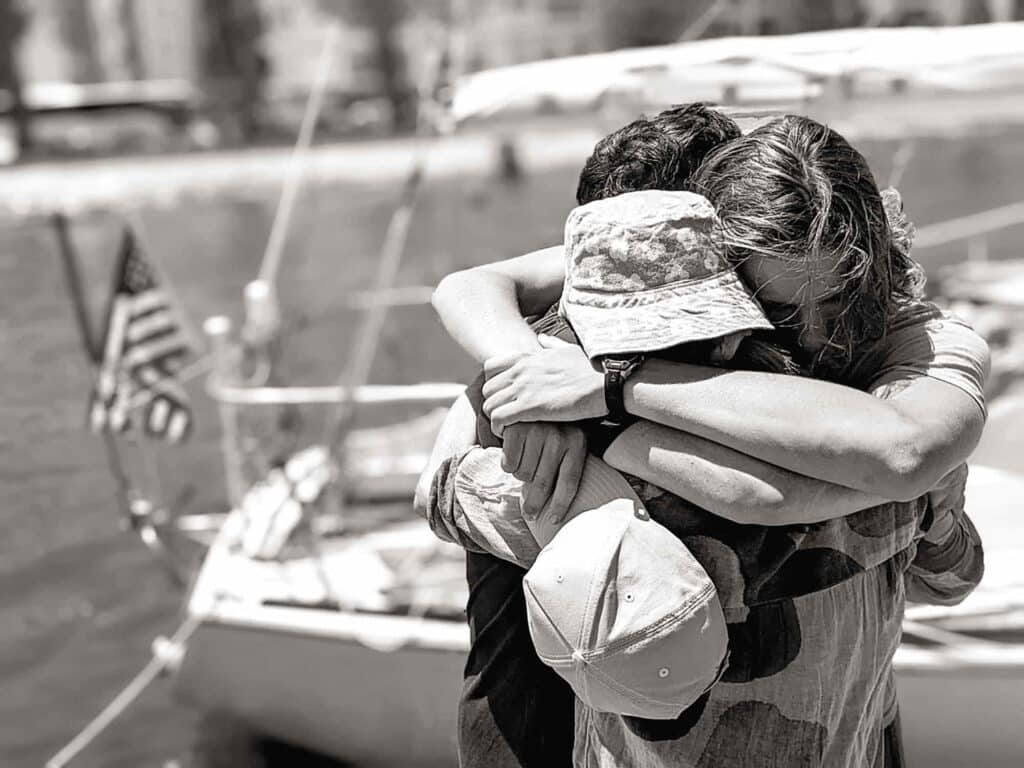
[637, 156]
[661, 152]
[698, 128]
[795, 190]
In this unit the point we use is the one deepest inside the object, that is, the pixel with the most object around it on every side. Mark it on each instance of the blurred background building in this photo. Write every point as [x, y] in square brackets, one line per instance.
[244, 64]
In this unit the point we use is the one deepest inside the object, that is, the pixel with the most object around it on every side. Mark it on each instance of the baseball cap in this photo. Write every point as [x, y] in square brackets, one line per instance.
[620, 608]
[647, 271]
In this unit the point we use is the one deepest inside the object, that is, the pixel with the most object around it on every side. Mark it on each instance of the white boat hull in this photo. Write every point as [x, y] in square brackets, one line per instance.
[375, 707]
[329, 694]
[381, 690]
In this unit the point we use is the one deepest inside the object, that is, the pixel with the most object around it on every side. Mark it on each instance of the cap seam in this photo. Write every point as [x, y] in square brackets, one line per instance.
[683, 612]
[669, 620]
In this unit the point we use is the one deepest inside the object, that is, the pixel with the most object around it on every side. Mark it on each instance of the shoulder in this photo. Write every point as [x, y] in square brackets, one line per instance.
[923, 332]
[923, 339]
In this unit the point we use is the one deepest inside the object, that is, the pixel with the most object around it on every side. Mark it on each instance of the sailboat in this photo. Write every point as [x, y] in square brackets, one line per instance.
[323, 616]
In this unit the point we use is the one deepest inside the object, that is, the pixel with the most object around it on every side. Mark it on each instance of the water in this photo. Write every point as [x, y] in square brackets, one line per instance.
[80, 600]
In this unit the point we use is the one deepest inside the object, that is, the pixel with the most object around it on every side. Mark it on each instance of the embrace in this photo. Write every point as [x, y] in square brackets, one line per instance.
[718, 441]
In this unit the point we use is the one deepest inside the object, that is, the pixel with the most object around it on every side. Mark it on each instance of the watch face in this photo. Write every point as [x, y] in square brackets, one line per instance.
[621, 363]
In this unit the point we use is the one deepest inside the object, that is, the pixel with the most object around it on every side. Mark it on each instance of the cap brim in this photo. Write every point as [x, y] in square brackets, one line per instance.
[647, 321]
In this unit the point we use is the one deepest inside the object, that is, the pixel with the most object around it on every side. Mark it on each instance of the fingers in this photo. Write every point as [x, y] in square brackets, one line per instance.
[532, 450]
[502, 399]
[508, 413]
[512, 449]
[496, 383]
[499, 363]
[570, 474]
[539, 490]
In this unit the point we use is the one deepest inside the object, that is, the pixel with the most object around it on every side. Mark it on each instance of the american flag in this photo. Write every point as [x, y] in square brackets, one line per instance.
[144, 348]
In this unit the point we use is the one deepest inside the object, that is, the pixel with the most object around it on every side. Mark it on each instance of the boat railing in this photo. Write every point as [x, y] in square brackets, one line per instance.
[233, 396]
[438, 393]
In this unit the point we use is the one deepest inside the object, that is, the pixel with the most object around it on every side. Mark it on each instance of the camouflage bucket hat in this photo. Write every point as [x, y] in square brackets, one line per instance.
[647, 271]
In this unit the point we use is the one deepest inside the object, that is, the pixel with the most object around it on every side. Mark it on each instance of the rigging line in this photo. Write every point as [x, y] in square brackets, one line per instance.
[367, 337]
[124, 698]
[296, 169]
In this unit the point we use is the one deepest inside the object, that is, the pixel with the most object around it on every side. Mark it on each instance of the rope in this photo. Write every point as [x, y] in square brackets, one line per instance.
[293, 182]
[124, 699]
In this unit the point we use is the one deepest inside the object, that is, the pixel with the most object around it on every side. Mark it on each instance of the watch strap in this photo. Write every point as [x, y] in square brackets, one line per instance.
[616, 371]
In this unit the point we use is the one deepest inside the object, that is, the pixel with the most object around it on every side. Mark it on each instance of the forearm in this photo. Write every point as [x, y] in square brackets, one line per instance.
[822, 430]
[728, 483]
[483, 308]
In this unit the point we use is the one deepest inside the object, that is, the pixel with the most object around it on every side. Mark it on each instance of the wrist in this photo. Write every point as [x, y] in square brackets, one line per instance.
[645, 395]
[617, 370]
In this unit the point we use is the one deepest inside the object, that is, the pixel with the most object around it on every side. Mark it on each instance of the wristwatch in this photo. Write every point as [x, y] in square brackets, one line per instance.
[618, 368]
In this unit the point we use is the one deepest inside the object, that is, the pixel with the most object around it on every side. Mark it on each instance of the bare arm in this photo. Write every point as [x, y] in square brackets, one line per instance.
[728, 483]
[897, 446]
[483, 308]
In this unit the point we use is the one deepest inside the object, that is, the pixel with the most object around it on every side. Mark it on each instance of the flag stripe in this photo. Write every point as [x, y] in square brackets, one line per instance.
[150, 301]
[152, 351]
[144, 347]
[141, 329]
[179, 425]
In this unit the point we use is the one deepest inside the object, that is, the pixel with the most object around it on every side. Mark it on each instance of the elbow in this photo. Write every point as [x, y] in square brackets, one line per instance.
[446, 291]
[908, 472]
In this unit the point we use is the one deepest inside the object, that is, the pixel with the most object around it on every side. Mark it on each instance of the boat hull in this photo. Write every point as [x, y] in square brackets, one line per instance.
[329, 689]
[378, 689]
[328, 693]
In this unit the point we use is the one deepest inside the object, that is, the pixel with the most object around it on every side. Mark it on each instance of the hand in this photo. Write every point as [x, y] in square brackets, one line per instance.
[946, 499]
[549, 459]
[558, 383]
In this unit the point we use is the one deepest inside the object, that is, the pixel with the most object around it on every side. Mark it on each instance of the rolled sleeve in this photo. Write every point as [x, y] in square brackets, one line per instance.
[474, 503]
[946, 571]
[930, 343]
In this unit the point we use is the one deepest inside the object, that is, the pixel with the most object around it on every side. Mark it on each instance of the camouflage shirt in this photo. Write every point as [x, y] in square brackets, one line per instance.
[814, 611]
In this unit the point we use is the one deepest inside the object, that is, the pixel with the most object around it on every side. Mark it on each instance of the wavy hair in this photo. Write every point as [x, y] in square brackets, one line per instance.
[796, 191]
